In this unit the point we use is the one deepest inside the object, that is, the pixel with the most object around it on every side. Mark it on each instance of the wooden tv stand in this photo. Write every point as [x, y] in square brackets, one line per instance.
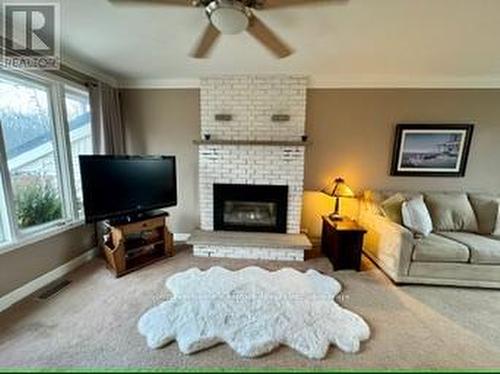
[132, 244]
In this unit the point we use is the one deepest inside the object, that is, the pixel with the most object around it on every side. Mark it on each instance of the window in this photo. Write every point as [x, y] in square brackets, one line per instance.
[29, 142]
[39, 149]
[3, 214]
[80, 134]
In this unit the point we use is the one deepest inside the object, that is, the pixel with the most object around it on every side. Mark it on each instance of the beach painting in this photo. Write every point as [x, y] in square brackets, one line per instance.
[432, 150]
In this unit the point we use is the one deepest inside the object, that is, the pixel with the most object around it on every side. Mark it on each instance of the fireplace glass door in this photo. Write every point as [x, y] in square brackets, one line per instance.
[250, 208]
[250, 213]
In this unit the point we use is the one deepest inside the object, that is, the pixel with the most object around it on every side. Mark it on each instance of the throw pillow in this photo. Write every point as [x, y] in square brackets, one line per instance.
[486, 209]
[416, 216]
[451, 211]
[392, 207]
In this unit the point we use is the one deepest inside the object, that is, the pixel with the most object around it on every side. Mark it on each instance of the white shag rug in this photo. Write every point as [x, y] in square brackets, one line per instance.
[253, 311]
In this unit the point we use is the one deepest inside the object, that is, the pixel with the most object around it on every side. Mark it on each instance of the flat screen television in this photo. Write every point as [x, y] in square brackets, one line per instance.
[121, 186]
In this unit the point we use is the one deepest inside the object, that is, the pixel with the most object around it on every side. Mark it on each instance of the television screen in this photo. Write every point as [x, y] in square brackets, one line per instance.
[116, 186]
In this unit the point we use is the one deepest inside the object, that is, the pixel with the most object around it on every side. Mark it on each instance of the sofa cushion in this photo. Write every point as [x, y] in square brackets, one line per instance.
[416, 217]
[483, 249]
[451, 211]
[392, 207]
[436, 248]
[487, 210]
[372, 199]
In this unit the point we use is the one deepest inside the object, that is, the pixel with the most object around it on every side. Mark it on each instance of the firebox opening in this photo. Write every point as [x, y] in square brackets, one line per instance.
[250, 208]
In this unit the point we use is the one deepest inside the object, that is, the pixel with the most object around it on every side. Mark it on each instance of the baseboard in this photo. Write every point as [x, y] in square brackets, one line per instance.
[181, 237]
[40, 282]
[20, 293]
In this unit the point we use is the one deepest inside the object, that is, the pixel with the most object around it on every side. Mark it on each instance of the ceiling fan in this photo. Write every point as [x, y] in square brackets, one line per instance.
[234, 17]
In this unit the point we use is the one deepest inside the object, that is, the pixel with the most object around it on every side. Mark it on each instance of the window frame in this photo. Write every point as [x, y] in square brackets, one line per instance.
[16, 237]
[68, 86]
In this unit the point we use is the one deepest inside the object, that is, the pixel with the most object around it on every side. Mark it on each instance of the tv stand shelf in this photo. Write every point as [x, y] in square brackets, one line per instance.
[131, 245]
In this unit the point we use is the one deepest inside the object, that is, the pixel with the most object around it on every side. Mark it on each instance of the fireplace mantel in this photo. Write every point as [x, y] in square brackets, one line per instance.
[279, 143]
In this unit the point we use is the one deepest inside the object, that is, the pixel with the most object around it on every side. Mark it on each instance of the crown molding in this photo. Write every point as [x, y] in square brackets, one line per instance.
[90, 70]
[415, 82]
[358, 82]
[147, 84]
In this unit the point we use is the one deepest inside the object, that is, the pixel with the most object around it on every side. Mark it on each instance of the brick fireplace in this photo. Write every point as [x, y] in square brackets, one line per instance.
[252, 165]
[249, 148]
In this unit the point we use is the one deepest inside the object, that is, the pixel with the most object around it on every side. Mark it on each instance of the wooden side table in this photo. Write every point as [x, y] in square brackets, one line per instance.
[342, 243]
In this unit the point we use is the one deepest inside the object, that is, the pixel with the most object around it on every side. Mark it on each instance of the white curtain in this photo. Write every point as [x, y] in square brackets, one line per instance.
[107, 125]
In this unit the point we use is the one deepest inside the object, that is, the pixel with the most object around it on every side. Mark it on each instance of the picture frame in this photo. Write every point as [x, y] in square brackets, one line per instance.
[431, 150]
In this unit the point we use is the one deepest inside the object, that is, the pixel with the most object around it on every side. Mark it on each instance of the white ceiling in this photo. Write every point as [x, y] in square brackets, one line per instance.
[352, 43]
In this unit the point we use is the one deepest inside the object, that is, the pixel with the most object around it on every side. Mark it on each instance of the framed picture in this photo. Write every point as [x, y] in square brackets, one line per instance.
[431, 150]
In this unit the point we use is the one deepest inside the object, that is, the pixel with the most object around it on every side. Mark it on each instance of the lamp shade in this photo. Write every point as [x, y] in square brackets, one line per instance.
[338, 188]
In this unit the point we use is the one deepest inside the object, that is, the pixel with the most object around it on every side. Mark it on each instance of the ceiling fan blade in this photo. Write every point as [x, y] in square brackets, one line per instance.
[271, 4]
[206, 42]
[158, 2]
[268, 38]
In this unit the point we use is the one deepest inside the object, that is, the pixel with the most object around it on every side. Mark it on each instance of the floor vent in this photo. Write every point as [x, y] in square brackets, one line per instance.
[53, 289]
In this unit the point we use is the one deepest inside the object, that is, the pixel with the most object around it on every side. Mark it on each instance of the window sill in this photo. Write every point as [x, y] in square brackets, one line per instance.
[39, 236]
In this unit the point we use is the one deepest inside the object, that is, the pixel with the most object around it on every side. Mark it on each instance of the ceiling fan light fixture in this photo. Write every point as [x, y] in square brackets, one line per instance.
[229, 17]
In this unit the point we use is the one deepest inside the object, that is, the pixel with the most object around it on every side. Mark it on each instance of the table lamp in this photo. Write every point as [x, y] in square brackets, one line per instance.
[337, 189]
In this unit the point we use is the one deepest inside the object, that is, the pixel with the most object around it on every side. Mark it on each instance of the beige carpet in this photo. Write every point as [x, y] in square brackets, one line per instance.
[92, 323]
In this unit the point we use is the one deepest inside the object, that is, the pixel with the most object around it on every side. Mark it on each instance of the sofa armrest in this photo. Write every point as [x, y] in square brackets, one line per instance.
[390, 244]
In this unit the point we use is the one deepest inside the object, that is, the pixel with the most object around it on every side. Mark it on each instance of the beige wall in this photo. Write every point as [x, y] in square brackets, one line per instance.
[351, 133]
[165, 122]
[24, 264]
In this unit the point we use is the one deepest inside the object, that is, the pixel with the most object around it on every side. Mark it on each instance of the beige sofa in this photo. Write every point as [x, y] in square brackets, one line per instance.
[462, 250]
